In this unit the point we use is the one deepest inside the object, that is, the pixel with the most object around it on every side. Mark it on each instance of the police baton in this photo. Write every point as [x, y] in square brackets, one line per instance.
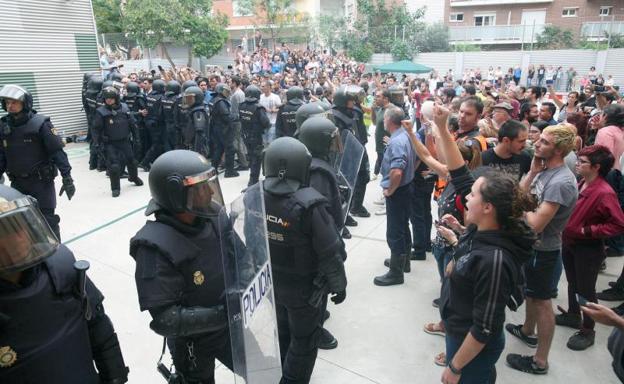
[81, 267]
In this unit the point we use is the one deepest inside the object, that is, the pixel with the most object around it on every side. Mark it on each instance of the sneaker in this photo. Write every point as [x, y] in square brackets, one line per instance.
[516, 330]
[567, 319]
[611, 294]
[360, 212]
[436, 303]
[525, 364]
[381, 201]
[380, 211]
[350, 222]
[581, 340]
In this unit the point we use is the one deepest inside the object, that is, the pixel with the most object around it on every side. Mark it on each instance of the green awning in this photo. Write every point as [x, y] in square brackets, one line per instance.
[403, 66]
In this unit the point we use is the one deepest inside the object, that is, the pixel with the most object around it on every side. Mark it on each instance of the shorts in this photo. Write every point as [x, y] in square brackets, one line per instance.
[539, 272]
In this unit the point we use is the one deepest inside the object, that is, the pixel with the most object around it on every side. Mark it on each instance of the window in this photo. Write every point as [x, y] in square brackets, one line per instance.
[605, 11]
[569, 12]
[238, 11]
[456, 17]
[483, 20]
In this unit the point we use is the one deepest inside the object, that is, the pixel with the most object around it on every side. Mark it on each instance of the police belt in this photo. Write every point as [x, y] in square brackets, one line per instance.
[45, 172]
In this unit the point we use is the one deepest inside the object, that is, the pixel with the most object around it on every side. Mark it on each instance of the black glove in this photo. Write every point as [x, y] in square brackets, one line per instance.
[339, 297]
[68, 187]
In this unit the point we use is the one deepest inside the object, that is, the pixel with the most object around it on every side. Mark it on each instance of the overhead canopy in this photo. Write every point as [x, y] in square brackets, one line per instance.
[403, 66]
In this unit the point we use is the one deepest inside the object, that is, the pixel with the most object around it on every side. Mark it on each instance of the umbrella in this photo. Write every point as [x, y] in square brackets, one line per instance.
[403, 66]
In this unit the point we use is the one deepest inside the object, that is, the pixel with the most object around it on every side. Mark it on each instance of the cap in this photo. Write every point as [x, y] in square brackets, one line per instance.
[504, 105]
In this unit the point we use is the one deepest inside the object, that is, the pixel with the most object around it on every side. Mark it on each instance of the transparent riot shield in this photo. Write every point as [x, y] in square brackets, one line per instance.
[249, 291]
[348, 167]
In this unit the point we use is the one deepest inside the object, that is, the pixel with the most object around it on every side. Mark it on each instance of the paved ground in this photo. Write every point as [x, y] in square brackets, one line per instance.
[379, 329]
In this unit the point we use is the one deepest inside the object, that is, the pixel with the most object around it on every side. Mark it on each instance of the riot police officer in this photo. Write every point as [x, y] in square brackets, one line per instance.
[361, 133]
[221, 132]
[322, 139]
[115, 128]
[397, 97]
[154, 122]
[286, 123]
[194, 134]
[306, 255]
[169, 114]
[135, 101]
[254, 123]
[32, 154]
[179, 270]
[186, 139]
[311, 109]
[91, 103]
[40, 277]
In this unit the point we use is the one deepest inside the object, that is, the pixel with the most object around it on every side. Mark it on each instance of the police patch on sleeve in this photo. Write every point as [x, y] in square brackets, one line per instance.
[198, 278]
[7, 357]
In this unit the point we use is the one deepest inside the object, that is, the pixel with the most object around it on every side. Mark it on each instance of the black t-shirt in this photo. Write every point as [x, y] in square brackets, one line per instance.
[517, 165]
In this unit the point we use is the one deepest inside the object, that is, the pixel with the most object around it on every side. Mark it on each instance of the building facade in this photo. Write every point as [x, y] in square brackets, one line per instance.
[518, 22]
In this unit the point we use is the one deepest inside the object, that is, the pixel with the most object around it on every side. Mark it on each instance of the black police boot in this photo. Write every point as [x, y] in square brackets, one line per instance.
[395, 274]
[116, 192]
[327, 340]
[144, 167]
[228, 174]
[345, 233]
[350, 222]
[407, 268]
[137, 181]
[360, 212]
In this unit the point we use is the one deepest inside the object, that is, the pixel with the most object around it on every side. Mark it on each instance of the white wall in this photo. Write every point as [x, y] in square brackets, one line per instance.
[434, 12]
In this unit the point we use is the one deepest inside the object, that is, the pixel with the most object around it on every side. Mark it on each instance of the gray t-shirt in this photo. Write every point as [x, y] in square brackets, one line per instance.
[556, 185]
[235, 100]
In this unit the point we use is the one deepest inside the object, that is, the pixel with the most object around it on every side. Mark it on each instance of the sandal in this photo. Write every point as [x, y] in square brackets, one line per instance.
[440, 359]
[434, 329]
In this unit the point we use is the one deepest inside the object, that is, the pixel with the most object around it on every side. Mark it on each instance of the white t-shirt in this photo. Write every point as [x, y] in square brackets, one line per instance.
[271, 102]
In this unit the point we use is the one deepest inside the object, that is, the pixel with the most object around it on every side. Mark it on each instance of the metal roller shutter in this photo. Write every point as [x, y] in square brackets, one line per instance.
[440, 61]
[615, 66]
[484, 60]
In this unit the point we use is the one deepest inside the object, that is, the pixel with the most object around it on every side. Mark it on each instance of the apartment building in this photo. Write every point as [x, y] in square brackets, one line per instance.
[513, 23]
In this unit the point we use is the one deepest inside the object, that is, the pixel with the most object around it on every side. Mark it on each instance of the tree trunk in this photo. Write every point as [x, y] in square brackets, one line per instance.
[190, 57]
[166, 53]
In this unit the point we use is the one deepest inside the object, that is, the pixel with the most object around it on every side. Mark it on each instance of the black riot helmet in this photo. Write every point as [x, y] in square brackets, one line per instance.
[252, 93]
[94, 86]
[116, 76]
[286, 166]
[183, 181]
[107, 83]
[132, 89]
[187, 84]
[159, 86]
[173, 88]
[192, 97]
[25, 237]
[312, 109]
[356, 93]
[321, 136]
[111, 93]
[364, 85]
[15, 92]
[397, 96]
[295, 95]
[223, 90]
[342, 98]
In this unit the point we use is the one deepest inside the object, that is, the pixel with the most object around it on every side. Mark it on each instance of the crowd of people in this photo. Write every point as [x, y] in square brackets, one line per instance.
[527, 185]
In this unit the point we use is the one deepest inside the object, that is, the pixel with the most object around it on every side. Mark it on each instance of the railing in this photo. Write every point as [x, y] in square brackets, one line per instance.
[600, 29]
[496, 34]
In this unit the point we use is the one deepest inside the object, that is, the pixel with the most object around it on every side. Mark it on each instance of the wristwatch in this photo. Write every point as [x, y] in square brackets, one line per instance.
[453, 369]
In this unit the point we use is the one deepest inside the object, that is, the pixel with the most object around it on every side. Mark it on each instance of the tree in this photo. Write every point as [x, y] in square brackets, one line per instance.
[553, 37]
[108, 16]
[433, 38]
[185, 22]
[275, 15]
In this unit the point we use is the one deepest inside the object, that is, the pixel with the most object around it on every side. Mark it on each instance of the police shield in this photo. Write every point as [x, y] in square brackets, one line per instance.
[249, 291]
[348, 166]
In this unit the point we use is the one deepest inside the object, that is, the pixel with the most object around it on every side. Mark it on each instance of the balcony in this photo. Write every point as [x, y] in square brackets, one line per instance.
[474, 3]
[495, 34]
[598, 30]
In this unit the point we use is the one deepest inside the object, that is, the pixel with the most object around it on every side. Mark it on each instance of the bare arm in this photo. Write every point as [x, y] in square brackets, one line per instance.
[395, 181]
[554, 98]
[454, 159]
[539, 219]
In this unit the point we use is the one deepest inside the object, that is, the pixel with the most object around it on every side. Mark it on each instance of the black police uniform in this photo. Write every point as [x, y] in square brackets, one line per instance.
[196, 133]
[186, 133]
[254, 123]
[323, 179]
[90, 103]
[352, 120]
[115, 127]
[221, 133]
[286, 122]
[180, 265]
[304, 243]
[154, 123]
[46, 335]
[169, 105]
[32, 154]
[138, 103]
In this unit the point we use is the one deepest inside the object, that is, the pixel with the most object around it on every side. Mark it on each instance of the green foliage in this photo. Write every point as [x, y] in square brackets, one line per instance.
[274, 14]
[401, 50]
[553, 37]
[467, 48]
[185, 22]
[358, 49]
[617, 41]
[433, 38]
[108, 16]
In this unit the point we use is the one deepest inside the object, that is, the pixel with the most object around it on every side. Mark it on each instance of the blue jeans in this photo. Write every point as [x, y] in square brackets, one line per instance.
[398, 211]
[481, 369]
[443, 256]
[421, 216]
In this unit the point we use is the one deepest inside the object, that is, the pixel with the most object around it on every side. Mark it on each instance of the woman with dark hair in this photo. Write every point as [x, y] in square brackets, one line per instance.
[596, 216]
[579, 120]
[486, 269]
[570, 106]
[611, 135]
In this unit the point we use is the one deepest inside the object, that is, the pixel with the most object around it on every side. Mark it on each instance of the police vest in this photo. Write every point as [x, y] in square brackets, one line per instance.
[46, 339]
[288, 117]
[116, 123]
[168, 104]
[24, 147]
[361, 132]
[250, 122]
[153, 103]
[328, 174]
[344, 122]
[289, 232]
[197, 259]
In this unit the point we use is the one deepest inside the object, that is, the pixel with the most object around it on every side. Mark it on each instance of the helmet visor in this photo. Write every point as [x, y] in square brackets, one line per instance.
[188, 100]
[25, 236]
[335, 146]
[203, 194]
[13, 92]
